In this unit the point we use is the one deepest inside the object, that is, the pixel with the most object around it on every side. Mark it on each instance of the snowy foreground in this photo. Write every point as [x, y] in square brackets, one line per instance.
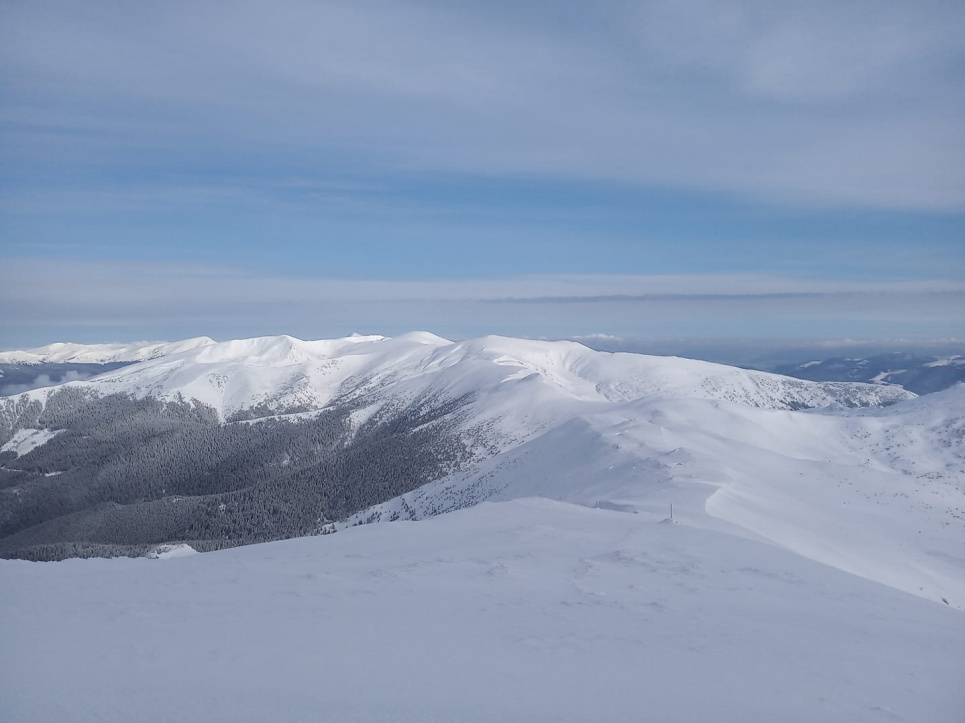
[529, 610]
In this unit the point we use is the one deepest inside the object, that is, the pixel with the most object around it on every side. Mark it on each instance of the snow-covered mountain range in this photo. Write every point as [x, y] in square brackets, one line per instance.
[862, 477]
[670, 487]
[70, 353]
[283, 374]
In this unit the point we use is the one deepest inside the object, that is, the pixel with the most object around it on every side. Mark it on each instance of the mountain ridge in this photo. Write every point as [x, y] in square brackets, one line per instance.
[285, 372]
[368, 429]
[71, 353]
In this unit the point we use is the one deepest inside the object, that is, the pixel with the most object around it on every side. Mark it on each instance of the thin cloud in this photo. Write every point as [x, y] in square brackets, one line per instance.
[771, 353]
[43, 380]
[828, 104]
[180, 301]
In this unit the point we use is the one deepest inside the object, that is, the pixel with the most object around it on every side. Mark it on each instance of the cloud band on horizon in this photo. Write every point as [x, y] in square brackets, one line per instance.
[97, 299]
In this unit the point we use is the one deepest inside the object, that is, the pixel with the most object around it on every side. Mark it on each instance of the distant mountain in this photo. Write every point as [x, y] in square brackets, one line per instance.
[260, 439]
[47, 366]
[267, 376]
[18, 378]
[916, 373]
[69, 353]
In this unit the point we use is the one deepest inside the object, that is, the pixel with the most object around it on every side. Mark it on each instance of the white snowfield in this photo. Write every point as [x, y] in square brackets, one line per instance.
[171, 552]
[24, 440]
[523, 611]
[879, 493]
[69, 353]
[285, 373]
[814, 569]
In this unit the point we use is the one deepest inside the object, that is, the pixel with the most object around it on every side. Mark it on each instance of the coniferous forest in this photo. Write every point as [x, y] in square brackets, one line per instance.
[122, 474]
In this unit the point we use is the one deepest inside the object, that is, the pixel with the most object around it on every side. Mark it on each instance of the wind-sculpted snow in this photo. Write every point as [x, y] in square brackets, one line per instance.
[876, 492]
[524, 612]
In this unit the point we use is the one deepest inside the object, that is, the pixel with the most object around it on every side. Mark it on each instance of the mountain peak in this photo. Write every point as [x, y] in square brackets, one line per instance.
[71, 353]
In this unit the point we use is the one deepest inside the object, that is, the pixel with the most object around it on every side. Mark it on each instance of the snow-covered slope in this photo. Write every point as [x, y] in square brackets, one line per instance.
[24, 440]
[880, 493]
[877, 491]
[587, 604]
[284, 374]
[522, 611]
[68, 353]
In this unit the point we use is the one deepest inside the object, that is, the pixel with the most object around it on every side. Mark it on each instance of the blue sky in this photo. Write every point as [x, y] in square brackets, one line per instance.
[689, 169]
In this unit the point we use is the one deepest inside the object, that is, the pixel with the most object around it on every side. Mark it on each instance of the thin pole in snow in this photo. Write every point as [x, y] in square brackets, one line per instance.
[671, 510]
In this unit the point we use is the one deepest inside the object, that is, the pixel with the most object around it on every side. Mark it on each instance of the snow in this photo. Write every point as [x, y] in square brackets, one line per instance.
[947, 361]
[876, 492]
[287, 374]
[529, 610]
[815, 571]
[171, 551]
[24, 440]
[70, 353]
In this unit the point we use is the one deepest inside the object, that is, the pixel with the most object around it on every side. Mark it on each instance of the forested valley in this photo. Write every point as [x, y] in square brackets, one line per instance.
[122, 474]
